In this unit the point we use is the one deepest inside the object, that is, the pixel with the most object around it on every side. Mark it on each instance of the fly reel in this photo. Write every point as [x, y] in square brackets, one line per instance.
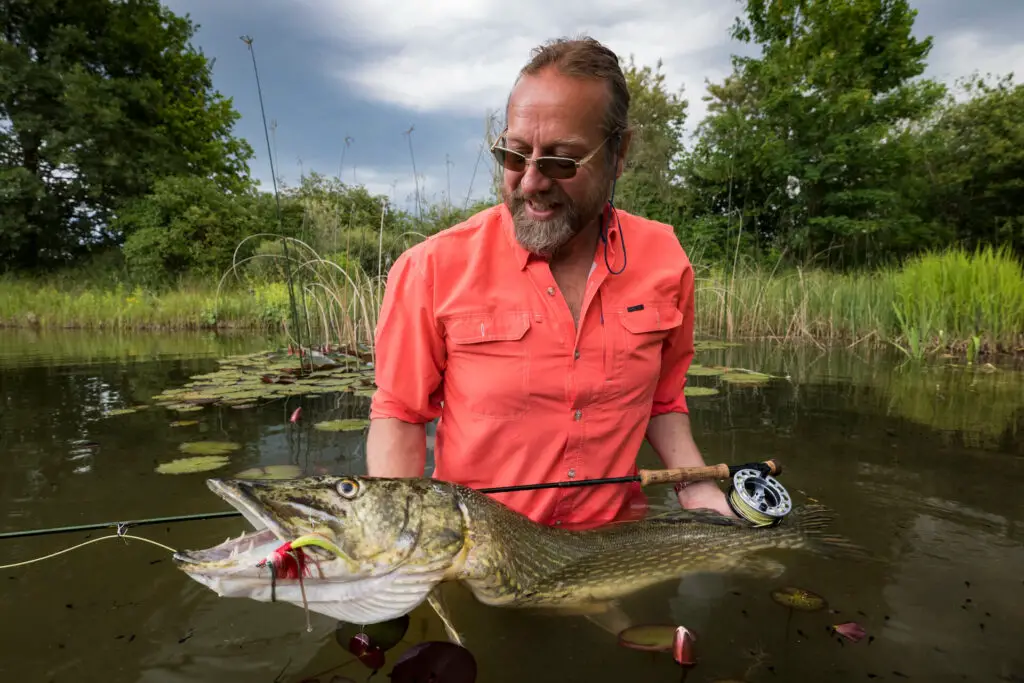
[758, 497]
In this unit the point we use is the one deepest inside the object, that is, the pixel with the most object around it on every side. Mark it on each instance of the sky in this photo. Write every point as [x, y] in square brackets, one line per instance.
[344, 82]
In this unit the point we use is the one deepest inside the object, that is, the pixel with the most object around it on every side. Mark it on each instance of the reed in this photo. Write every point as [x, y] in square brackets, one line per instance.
[940, 302]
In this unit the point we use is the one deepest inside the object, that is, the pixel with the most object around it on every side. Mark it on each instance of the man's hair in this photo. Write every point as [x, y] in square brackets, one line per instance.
[584, 57]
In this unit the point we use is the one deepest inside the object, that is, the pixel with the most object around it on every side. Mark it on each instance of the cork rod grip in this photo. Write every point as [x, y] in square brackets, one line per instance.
[648, 477]
[678, 474]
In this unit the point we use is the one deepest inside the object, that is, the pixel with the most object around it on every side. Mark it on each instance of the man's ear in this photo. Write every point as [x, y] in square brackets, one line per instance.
[621, 150]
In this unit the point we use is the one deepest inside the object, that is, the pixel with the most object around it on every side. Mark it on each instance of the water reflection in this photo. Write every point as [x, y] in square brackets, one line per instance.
[922, 466]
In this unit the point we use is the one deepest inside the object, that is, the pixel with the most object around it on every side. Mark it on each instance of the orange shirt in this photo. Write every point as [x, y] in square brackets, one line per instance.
[474, 330]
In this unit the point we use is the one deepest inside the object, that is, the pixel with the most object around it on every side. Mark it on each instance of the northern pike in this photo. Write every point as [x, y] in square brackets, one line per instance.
[382, 545]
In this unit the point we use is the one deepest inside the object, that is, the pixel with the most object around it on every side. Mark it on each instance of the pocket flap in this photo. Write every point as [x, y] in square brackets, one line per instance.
[486, 327]
[652, 318]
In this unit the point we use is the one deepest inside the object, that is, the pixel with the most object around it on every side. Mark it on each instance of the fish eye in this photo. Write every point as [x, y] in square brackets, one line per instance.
[348, 488]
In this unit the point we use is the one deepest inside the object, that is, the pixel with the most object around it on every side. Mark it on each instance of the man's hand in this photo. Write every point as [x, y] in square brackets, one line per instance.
[705, 494]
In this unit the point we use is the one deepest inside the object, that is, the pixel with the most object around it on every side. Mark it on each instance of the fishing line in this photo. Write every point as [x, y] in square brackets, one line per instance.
[80, 545]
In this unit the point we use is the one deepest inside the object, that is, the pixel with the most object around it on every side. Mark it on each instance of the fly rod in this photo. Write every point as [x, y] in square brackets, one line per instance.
[759, 471]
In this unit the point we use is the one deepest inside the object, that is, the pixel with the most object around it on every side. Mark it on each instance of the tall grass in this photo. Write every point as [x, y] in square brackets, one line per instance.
[952, 300]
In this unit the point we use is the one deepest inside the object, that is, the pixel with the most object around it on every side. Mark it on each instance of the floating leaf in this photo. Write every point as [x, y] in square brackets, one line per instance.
[271, 472]
[798, 598]
[697, 370]
[648, 637]
[850, 630]
[189, 465]
[738, 377]
[699, 391]
[385, 635]
[349, 425]
[714, 345]
[119, 411]
[435, 661]
[209, 447]
[184, 423]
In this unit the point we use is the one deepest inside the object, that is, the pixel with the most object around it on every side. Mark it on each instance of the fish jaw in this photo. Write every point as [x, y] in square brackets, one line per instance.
[367, 589]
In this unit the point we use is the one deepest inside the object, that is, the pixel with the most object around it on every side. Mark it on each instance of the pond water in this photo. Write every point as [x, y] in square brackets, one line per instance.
[924, 467]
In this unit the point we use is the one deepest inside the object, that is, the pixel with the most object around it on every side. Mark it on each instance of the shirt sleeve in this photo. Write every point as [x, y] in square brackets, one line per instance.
[410, 351]
[677, 354]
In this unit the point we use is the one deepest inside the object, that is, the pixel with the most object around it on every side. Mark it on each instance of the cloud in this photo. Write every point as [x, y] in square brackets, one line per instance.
[461, 57]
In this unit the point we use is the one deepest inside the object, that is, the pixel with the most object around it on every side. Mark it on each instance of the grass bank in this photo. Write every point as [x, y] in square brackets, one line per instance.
[969, 303]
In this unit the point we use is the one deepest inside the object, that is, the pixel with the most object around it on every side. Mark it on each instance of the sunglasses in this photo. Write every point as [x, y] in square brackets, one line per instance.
[556, 168]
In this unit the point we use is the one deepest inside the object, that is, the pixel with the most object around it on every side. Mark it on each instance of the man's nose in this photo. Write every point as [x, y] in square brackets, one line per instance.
[535, 182]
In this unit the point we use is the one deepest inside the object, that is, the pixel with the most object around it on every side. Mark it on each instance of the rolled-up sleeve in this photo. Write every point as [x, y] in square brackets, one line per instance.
[410, 351]
[677, 354]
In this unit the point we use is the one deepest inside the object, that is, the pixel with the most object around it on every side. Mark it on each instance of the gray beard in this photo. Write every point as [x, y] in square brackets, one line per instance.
[544, 238]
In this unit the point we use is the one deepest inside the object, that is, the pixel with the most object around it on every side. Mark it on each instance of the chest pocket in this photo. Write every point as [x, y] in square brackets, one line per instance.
[637, 361]
[488, 370]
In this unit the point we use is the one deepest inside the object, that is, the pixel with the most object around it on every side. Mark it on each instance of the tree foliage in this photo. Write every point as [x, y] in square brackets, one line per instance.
[98, 101]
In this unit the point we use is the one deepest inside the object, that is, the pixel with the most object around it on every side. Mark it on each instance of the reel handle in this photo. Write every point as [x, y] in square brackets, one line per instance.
[710, 472]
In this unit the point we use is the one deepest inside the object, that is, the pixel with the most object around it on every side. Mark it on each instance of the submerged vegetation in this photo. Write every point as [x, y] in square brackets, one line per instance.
[832, 194]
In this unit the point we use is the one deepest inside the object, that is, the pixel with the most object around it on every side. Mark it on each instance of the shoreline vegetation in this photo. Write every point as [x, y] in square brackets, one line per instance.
[954, 301]
[831, 194]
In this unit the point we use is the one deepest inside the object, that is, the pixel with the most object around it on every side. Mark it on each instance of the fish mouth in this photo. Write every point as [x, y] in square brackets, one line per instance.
[247, 549]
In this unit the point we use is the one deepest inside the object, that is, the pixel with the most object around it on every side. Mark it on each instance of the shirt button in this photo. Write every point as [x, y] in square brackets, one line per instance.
[551, 291]
[572, 473]
[579, 415]
[576, 354]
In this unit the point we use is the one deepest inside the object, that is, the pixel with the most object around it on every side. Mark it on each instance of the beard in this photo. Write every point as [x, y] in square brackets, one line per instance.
[545, 238]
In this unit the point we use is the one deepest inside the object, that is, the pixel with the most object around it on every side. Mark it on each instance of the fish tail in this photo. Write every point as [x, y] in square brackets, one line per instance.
[810, 524]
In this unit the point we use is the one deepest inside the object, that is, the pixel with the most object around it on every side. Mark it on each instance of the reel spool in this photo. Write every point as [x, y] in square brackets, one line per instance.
[758, 498]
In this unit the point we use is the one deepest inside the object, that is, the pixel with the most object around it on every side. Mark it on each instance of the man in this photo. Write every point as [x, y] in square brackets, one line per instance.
[552, 332]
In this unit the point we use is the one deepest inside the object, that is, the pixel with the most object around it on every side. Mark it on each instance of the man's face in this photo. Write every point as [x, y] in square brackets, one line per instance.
[554, 115]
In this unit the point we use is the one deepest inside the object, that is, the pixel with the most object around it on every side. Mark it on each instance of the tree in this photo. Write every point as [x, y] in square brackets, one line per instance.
[98, 100]
[813, 132]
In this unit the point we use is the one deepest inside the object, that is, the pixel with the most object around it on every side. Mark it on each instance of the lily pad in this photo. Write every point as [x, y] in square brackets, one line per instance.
[184, 423]
[209, 447]
[119, 411]
[714, 345]
[700, 391]
[649, 637]
[698, 370]
[201, 463]
[271, 472]
[745, 378]
[349, 425]
[798, 598]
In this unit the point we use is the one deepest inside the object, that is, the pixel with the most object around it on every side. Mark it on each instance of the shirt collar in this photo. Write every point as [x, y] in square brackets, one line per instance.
[522, 256]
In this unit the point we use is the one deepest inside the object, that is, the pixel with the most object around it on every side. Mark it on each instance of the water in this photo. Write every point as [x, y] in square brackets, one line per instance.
[923, 466]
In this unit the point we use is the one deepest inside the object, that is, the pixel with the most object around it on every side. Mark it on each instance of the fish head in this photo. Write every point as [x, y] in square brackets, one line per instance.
[359, 549]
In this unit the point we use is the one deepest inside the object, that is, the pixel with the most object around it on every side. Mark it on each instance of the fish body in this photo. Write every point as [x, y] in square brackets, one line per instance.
[384, 544]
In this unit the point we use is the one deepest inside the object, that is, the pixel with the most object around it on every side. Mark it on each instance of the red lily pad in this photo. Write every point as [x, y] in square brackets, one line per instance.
[435, 661]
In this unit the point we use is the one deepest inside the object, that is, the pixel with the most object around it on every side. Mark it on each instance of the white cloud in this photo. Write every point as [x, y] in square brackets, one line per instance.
[958, 54]
[462, 56]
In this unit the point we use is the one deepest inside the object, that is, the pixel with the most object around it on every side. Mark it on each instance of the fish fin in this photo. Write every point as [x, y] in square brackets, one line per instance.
[811, 523]
[436, 601]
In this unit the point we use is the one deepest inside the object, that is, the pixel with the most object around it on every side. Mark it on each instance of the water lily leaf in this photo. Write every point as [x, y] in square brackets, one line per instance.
[714, 345]
[184, 408]
[649, 637]
[698, 370]
[184, 423]
[798, 598]
[197, 464]
[271, 472]
[385, 634]
[699, 391]
[350, 425]
[119, 411]
[435, 661]
[747, 378]
[209, 447]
